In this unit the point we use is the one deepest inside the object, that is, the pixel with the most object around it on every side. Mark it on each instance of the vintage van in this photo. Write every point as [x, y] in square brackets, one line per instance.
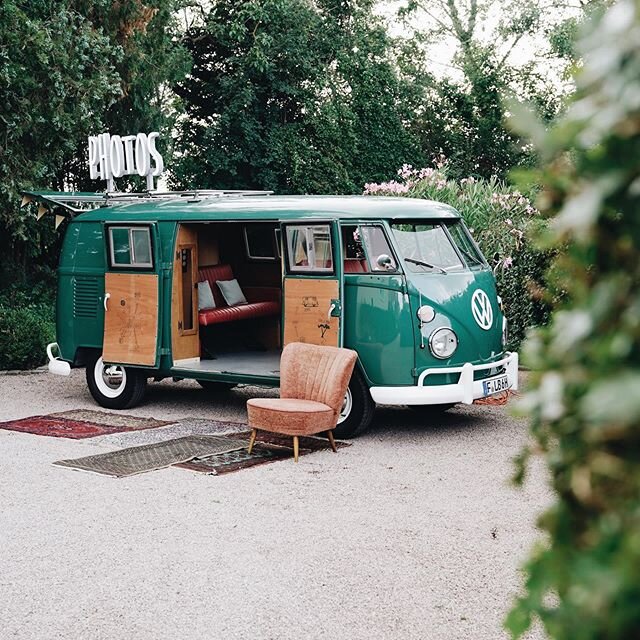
[211, 285]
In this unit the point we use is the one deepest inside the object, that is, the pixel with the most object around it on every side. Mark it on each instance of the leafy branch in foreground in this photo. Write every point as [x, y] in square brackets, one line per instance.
[584, 584]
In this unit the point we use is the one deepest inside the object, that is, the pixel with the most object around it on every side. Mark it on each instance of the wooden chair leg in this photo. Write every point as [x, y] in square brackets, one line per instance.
[332, 441]
[252, 439]
[296, 448]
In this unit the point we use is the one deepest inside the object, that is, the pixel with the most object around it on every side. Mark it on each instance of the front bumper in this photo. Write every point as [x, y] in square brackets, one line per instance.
[466, 390]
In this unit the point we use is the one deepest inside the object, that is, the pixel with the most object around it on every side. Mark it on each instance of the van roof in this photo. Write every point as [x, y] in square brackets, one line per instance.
[271, 208]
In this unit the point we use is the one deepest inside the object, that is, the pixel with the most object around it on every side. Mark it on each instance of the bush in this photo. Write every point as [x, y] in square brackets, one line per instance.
[502, 220]
[584, 582]
[24, 335]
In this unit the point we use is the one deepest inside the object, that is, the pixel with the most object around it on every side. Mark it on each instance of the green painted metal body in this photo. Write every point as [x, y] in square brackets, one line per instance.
[378, 310]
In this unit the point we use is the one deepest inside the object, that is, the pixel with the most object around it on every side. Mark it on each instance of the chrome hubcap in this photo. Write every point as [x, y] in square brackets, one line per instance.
[112, 376]
[347, 406]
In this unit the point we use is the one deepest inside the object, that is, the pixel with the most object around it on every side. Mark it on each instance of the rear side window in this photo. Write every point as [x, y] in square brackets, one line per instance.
[130, 247]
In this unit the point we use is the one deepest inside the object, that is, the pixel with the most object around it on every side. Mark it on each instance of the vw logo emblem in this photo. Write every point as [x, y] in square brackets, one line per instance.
[481, 309]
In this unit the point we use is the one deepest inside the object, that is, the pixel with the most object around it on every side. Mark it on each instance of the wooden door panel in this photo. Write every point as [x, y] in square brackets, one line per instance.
[185, 341]
[306, 307]
[131, 318]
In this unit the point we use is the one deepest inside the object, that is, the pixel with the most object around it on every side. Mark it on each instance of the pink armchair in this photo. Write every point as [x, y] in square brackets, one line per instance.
[313, 382]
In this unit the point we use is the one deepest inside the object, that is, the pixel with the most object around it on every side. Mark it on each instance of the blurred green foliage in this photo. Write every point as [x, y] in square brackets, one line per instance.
[503, 221]
[583, 581]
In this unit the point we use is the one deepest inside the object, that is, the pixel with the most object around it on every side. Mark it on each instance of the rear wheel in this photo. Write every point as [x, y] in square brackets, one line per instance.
[215, 387]
[114, 386]
[357, 410]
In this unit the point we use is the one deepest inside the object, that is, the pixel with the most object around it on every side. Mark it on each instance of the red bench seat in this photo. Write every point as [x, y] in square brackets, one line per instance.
[263, 301]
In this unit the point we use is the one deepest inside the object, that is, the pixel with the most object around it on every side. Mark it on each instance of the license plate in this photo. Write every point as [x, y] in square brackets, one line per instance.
[495, 385]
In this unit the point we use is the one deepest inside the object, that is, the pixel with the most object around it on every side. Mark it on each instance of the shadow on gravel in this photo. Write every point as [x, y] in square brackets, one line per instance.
[388, 421]
[457, 420]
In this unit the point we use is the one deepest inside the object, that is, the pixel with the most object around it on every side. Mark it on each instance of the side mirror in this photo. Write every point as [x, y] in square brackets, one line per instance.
[384, 261]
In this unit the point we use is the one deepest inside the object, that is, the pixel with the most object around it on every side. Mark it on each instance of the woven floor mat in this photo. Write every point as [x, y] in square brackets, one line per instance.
[80, 423]
[134, 460]
[111, 419]
[269, 447]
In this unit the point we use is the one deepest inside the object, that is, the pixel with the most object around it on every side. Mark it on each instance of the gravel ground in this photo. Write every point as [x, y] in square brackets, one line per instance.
[412, 532]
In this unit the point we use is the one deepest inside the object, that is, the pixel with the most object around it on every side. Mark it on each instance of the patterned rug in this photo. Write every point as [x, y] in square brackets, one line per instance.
[80, 423]
[149, 457]
[269, 447]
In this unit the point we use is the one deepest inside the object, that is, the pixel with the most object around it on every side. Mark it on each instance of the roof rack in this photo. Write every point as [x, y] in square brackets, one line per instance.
[88, 201]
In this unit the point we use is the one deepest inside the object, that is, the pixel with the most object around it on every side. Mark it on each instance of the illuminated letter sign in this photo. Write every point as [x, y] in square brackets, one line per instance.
[116, 156]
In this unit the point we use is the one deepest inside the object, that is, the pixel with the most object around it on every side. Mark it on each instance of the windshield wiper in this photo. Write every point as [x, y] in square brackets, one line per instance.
[426, 264]
[470, 258]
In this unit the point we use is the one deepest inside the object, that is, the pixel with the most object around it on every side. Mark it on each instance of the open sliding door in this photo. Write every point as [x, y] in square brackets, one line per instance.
[185, 339]
[312, 308]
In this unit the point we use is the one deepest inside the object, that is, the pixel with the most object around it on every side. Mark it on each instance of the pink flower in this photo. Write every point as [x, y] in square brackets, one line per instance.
[509, 222]
[507, 263]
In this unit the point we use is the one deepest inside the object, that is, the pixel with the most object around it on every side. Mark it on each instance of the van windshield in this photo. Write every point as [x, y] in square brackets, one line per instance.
[436, 246]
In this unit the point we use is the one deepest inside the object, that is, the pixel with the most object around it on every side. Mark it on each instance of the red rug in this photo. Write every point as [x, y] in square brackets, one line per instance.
[58, 426]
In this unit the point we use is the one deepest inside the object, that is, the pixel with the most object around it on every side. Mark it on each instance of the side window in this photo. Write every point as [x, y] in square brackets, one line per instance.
[130, 247]
[378, 249]
[259, 241]
[309, 248]
[366, 250]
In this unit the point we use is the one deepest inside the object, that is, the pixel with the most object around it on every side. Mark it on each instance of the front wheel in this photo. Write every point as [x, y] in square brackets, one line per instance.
[114, 386]
[357, 409]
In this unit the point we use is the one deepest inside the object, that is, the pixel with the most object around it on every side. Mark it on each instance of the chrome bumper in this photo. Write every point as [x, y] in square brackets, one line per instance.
[466, 390]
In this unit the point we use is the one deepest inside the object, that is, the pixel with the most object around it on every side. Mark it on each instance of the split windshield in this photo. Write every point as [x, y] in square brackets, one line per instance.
[437, 247]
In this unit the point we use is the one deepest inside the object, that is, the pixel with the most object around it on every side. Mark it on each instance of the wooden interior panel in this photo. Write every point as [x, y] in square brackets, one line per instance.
[306, 307]
[208, 245]
[131, 319]
[185, 343]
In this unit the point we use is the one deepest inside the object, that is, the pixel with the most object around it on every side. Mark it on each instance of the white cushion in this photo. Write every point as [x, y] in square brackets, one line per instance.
[205, 296]
[231, 292]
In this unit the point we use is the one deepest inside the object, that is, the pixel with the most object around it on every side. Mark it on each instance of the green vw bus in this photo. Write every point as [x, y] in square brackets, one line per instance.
[210, 285]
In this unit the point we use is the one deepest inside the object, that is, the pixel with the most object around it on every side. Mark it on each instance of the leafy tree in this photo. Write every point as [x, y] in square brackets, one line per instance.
[68, 69]
[584, 584]
[293, 96]
[465, 117]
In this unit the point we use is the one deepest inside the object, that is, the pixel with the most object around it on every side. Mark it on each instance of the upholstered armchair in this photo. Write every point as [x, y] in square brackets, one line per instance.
[313, 382]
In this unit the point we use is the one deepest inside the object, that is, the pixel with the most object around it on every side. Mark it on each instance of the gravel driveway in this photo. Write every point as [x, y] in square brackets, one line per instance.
[412, 532]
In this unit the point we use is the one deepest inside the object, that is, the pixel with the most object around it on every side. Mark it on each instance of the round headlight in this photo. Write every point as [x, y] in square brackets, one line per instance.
[426, 313]
[443, 343]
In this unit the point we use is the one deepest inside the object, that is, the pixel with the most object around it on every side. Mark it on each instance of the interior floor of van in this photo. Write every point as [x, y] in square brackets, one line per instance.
[256, 363]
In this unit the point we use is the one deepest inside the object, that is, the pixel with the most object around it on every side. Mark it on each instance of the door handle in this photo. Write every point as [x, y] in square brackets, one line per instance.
[331, 308]
[106, 297]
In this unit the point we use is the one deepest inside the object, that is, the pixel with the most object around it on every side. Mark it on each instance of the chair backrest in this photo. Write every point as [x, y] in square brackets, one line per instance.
[213, 274]
[311, 372]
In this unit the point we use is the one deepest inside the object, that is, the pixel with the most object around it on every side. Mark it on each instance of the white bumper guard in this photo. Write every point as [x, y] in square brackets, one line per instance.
[57, 365]
[466, 390]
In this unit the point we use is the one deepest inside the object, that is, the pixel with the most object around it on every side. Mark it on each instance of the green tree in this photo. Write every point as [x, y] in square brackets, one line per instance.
[68, 69]
[584, 582]
[293, 96]
[465, 116]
